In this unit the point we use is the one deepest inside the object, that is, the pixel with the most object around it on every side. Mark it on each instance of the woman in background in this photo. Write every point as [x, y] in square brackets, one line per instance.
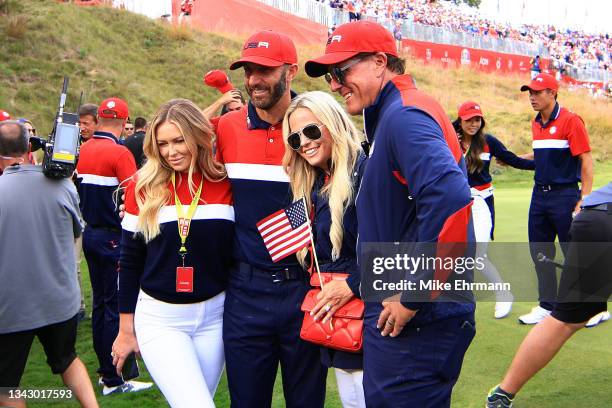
[478, 148]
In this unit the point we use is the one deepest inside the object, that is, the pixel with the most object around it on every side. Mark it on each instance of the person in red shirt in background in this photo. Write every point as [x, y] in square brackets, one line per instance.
[88, 120]
[562, 159]
[230, 100]
[104, 166]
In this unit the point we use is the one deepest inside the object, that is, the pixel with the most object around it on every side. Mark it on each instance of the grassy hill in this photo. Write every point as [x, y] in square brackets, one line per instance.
[108, 52]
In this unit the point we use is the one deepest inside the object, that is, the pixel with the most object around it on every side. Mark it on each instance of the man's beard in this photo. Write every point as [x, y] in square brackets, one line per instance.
[277, 92]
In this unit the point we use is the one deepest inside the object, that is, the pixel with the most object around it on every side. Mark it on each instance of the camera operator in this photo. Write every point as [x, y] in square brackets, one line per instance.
[39, 291]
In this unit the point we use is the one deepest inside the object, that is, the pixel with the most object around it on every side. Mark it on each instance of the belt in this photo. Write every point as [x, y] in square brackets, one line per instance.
[286, 274]
[293, 273]
[600, 207]
[553, 187]
[110, 229]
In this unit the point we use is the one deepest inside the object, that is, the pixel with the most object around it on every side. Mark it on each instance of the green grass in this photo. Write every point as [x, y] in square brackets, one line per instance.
[111, 53]
[577, 377]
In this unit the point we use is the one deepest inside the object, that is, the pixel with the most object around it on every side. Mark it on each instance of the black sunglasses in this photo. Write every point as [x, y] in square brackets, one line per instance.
[312, 132]
[338, 74]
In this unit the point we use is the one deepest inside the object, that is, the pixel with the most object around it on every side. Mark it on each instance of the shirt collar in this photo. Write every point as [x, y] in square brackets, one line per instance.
[22, 167]
[105, 135]
[253, 119]
[553, 116]
[372, 112]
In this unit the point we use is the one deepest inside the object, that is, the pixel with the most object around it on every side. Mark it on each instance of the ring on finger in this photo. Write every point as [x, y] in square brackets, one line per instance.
[328, 307]
[390, 322]
[112, 354]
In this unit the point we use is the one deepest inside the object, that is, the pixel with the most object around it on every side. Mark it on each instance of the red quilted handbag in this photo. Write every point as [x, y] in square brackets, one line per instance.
[346, 329]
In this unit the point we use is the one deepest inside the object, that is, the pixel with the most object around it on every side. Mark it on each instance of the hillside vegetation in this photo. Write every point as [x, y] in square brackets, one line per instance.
[108, 52]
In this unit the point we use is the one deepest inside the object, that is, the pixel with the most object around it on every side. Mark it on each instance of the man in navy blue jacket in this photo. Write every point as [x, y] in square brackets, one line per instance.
[414, 189]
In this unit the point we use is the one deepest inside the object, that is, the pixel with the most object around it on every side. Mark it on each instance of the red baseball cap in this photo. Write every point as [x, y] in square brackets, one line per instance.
[349, 40]
[267, 48]
[540, 82]
[4, 115]
[113, 108]
[218, 79]
[469, 110]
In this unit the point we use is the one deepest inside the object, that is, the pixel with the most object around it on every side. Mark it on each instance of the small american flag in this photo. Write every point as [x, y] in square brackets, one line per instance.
[286, 231]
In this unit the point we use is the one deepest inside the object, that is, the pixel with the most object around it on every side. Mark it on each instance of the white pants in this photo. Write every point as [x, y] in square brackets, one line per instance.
[350, 388]
[182, 346]
[483, 222]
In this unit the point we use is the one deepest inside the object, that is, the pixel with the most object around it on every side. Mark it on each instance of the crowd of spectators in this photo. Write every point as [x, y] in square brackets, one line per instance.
[578, 48]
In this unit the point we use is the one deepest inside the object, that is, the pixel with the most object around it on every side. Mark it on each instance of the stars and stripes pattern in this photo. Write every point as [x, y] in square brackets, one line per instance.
[286, 231]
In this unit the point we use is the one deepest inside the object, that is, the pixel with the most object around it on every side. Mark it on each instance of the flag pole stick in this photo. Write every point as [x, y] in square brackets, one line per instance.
[314, 251]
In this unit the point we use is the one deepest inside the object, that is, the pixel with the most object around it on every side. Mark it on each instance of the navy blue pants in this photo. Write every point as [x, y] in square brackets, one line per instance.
[550, 217]
[419, 367]
[101, 248]
[261, 327]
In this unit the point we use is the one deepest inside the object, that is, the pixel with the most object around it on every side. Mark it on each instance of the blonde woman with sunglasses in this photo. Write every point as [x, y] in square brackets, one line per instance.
[324, 161]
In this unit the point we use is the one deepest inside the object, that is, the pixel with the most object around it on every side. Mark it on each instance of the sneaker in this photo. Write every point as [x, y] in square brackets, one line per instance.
[536, 315]
[502, 309]
[597, 319]
[497, 399]
[128, 386]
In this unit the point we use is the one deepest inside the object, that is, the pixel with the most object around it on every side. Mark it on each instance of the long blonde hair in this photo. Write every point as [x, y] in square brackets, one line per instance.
[152, 191]
[344, 153]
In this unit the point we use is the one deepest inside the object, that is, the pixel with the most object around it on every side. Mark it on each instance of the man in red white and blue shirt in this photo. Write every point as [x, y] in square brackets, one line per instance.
[562, 158]
[103, 166]
[262, 316]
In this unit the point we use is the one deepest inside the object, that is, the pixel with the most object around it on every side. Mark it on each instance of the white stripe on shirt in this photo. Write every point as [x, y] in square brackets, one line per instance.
[550, 144]
[168, 214]
[98, 180]
[261, 172]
